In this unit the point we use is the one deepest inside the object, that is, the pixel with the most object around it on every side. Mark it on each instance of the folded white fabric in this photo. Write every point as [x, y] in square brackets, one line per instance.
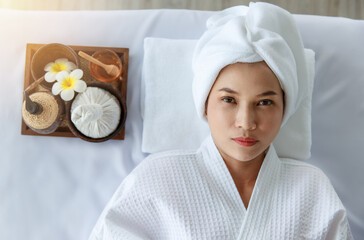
[259, 32]
[170, 120]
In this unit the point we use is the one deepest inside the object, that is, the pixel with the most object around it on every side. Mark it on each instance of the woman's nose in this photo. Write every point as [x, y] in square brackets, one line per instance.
[245, 118]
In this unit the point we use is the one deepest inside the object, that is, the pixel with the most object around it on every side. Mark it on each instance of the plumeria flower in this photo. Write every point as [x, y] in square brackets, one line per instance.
[53, 68]
[67, 83]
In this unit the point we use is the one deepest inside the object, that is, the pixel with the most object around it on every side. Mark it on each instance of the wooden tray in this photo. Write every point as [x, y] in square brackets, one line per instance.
[63, 130]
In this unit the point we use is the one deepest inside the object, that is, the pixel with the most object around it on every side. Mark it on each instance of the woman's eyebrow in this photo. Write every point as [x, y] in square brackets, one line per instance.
[268, 93]
[228, 90]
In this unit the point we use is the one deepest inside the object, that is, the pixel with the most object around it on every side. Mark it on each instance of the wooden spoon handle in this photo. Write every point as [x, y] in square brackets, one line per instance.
[33, 85]
[91, 59]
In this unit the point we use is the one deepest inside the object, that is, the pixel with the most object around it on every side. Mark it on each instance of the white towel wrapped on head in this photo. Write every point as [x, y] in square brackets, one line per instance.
[260, 32]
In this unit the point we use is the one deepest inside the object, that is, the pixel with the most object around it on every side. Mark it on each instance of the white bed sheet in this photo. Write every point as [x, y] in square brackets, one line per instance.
[55, 188]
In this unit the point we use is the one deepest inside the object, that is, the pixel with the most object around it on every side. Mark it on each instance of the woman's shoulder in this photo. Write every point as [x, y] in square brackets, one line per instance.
[167, 159]
[311, 199]
[302, 168]
[171, 155]
[309, 180]
[158, 170]
[307, 176]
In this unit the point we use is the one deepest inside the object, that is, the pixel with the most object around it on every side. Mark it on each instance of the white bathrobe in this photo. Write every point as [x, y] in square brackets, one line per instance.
[191, 195]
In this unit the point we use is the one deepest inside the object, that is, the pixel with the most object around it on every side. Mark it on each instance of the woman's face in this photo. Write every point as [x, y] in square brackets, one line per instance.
[245, 110]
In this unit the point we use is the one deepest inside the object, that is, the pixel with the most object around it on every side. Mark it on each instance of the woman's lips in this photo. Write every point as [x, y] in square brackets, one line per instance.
[247, 142]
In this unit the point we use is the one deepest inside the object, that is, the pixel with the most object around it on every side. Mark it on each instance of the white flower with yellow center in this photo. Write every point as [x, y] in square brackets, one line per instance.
[53, 68]
[67, 83]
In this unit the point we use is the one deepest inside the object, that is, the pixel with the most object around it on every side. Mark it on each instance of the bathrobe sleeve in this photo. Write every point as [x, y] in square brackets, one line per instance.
[329, 210]
[339, 227]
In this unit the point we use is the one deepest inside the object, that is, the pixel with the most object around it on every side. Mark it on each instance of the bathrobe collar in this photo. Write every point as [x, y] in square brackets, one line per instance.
[252, 220]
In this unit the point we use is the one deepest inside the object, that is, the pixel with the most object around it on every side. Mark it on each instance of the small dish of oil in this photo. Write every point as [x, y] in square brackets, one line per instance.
[105, 56]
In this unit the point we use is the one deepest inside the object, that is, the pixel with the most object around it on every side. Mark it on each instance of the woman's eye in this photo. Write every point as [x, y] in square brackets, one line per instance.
[265, 102]
[229, 99]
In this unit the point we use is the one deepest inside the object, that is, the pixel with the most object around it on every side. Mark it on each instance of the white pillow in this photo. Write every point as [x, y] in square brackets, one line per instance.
[170, 120]
[169, 117]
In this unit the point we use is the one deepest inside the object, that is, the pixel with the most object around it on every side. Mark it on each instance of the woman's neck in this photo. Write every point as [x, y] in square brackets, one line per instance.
[244, 175]
[245, 171]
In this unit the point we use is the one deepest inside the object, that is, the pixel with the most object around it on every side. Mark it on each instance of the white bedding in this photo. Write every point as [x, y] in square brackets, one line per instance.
[55, 188]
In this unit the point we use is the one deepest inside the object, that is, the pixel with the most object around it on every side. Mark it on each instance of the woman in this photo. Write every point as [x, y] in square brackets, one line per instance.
[251, 77]
[244, 112]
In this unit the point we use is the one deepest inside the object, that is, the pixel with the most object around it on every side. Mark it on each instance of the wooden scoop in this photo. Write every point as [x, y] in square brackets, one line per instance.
[111, 69]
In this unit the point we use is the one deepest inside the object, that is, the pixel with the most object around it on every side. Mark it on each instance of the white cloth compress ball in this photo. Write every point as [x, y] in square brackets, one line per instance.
[95, 112]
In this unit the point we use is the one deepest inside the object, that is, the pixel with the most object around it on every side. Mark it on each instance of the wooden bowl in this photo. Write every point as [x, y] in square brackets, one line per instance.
[108, 87]
[49, 53]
